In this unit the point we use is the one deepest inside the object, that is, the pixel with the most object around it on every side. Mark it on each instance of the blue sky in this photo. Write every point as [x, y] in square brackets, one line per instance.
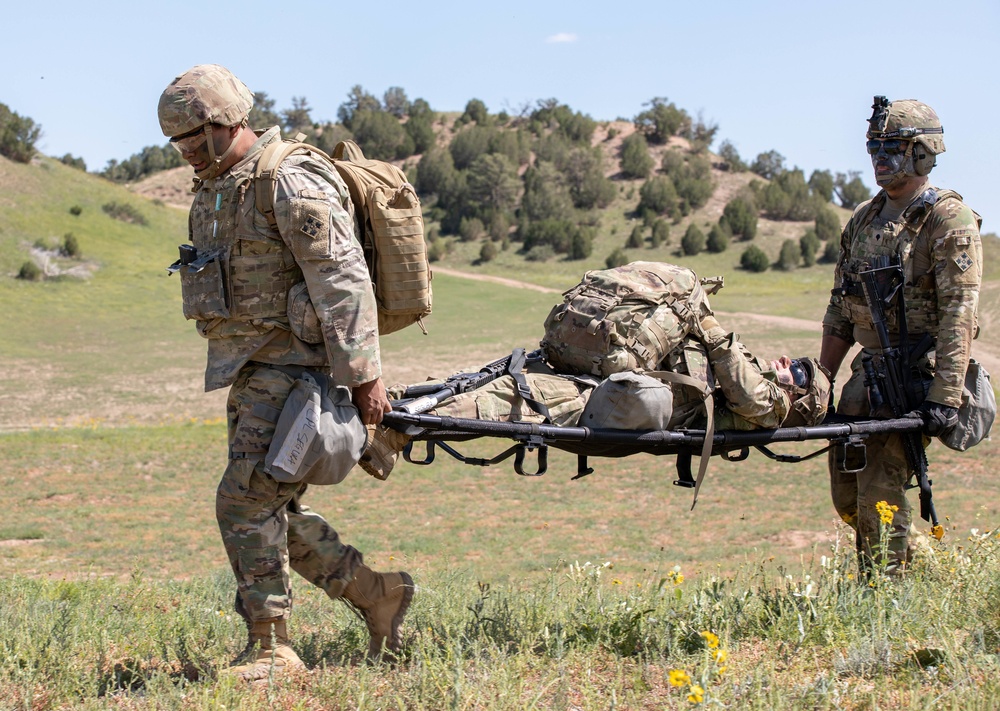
[797, 77]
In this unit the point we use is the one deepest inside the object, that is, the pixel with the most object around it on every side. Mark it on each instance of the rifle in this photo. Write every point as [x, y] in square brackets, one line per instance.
[892, 376]
[428, 396]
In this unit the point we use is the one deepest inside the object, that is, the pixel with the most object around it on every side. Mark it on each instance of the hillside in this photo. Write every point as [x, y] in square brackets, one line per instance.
[113, 348]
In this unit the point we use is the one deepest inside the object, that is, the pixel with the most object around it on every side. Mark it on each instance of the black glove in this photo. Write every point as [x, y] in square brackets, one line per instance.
[938, 418]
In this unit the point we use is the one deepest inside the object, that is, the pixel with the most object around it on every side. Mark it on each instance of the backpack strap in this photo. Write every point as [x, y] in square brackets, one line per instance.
[515, 369]
[668, 376]
[265, 174]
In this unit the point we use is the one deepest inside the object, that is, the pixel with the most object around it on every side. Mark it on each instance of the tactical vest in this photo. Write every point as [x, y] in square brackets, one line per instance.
[876, 237]
[242, 272]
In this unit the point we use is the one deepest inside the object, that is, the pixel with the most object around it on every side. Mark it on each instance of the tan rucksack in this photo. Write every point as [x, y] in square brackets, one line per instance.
[626, 318]
[390, 223]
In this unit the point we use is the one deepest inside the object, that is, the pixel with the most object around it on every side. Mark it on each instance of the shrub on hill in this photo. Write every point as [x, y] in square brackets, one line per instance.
[124, 212]
[808, 246]
[18, 135]
[693, 241]
[30, 271]
[488, 252]
[635, 159]
[149, 160]
[357, 100]
[754, 259]
[730, 158]
[831, 252]
[583, 170]
[658, 196]
[396, 102]
[546, 195]
[692, 177]
[475, 112]
[850, 190]
[618, 258]
[73, 162]
[550, 115]
[471, 229]
[788, 258]
[660, 235]
[420, 125]
[768, 165]
[827, 224]
[581, 243]
[71, 246]
[821, 183]
[381, 136]
[787, 197]
[661, 121]
[740, 217]
[718, 239]
[635, 239]
[540, 253]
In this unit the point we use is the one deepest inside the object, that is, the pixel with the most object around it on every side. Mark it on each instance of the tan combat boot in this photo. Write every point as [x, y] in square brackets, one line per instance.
[267, 651]
[384, 446]
[382, 600]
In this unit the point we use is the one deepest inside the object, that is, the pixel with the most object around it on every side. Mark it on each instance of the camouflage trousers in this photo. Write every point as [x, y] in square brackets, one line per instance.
[883, 479]
[264, 529]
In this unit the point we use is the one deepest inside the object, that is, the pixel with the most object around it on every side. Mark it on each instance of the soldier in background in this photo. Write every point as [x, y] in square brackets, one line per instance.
[274, 304]
[936, 238]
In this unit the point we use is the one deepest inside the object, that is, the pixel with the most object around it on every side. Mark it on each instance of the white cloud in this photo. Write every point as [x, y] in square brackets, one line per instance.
[561, 37]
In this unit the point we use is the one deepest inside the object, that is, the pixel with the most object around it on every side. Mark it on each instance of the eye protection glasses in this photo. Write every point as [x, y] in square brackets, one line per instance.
[892, 146]
[191, 141]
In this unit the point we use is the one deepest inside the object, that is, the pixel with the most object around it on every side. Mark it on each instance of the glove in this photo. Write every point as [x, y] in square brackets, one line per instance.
[938, 418]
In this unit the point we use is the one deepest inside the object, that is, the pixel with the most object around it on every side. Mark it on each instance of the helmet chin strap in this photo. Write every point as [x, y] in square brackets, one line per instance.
[215, 162]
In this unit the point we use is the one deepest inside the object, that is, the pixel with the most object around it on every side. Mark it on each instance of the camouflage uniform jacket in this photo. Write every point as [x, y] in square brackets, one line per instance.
[297, 295]
[937, 240]
[746, 391]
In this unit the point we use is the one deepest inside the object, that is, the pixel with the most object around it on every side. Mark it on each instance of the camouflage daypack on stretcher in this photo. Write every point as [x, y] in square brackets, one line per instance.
[626, 318]
[390, 221]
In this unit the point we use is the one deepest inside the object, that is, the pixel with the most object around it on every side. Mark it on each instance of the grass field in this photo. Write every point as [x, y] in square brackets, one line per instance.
[534, 592]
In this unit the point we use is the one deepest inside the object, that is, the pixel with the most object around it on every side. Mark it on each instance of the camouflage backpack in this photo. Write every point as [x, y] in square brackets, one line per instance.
[626, 318]
[390, 222]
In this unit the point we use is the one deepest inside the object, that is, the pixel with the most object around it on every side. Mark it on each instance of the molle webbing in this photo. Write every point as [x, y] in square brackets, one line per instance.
[259, 285]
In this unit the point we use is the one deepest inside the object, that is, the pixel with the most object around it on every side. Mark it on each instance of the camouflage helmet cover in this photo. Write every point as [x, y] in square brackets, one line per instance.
[907, 118]
[206, 93]
[810, 408]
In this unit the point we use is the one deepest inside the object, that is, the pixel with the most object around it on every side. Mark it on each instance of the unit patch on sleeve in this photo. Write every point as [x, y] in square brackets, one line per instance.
[312, 227]
[963, 261]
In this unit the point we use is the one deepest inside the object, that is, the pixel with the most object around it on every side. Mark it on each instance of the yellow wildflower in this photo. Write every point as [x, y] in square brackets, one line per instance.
[616, 581]
[720, 656]
[711, 640]
[886, 512]
[697, 694]
[679, 677]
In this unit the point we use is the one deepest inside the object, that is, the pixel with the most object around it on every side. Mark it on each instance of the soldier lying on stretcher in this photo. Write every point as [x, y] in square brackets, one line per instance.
[745, 393]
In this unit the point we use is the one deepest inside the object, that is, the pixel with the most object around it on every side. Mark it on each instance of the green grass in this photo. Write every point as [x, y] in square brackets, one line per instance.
[579, 636]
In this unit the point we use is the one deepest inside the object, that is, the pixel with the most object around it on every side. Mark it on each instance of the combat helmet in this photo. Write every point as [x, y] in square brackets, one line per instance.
[909, 119]
[812, 385]
[204, 95]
